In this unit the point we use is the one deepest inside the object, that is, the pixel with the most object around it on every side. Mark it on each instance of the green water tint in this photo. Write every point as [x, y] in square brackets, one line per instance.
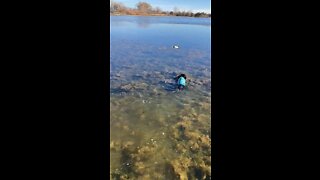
[157, 132]
[160, 136]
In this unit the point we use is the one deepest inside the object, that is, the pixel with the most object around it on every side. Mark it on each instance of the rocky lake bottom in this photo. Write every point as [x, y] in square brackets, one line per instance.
[157, 132]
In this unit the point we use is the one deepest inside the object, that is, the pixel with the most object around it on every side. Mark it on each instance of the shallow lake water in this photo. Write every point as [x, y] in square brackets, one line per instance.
[156, 131]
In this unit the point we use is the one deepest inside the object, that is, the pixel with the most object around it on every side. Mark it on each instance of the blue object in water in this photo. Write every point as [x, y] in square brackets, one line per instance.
[182, 81]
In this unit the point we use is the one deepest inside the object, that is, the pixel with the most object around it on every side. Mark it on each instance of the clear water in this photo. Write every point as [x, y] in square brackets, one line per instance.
[158, 132]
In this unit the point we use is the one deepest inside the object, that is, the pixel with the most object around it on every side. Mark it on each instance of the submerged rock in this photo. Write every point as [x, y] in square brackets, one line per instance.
[133, 86]
[115, 146]
[178, 149]
[180, 167]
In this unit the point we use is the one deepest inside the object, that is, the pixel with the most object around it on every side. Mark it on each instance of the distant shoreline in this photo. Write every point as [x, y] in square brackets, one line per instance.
[138, 15]
[153, 15]
[146, 9]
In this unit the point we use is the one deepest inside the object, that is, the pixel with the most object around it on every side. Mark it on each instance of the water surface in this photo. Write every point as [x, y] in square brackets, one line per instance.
[156, 131]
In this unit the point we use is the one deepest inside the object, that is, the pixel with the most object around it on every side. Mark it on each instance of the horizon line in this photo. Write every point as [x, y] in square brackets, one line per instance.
[208, 11]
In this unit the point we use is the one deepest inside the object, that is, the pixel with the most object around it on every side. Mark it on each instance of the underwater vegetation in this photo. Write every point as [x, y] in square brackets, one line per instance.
[157, 132]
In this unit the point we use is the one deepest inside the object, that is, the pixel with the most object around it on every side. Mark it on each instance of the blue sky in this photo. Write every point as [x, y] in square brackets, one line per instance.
[168, 5]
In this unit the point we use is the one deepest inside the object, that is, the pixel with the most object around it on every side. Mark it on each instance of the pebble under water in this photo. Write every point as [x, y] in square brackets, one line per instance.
[157, 132]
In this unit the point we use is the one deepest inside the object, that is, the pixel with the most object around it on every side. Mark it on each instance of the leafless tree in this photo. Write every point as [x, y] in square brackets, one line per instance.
[175, 10]
[116, 7]
[144, 7]
[157, 10]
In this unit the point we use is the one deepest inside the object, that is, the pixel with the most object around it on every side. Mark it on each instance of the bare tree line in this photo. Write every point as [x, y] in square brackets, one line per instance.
[143, 8]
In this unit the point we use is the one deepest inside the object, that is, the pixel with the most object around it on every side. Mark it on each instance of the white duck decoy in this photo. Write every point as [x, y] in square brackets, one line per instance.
[175, 46]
